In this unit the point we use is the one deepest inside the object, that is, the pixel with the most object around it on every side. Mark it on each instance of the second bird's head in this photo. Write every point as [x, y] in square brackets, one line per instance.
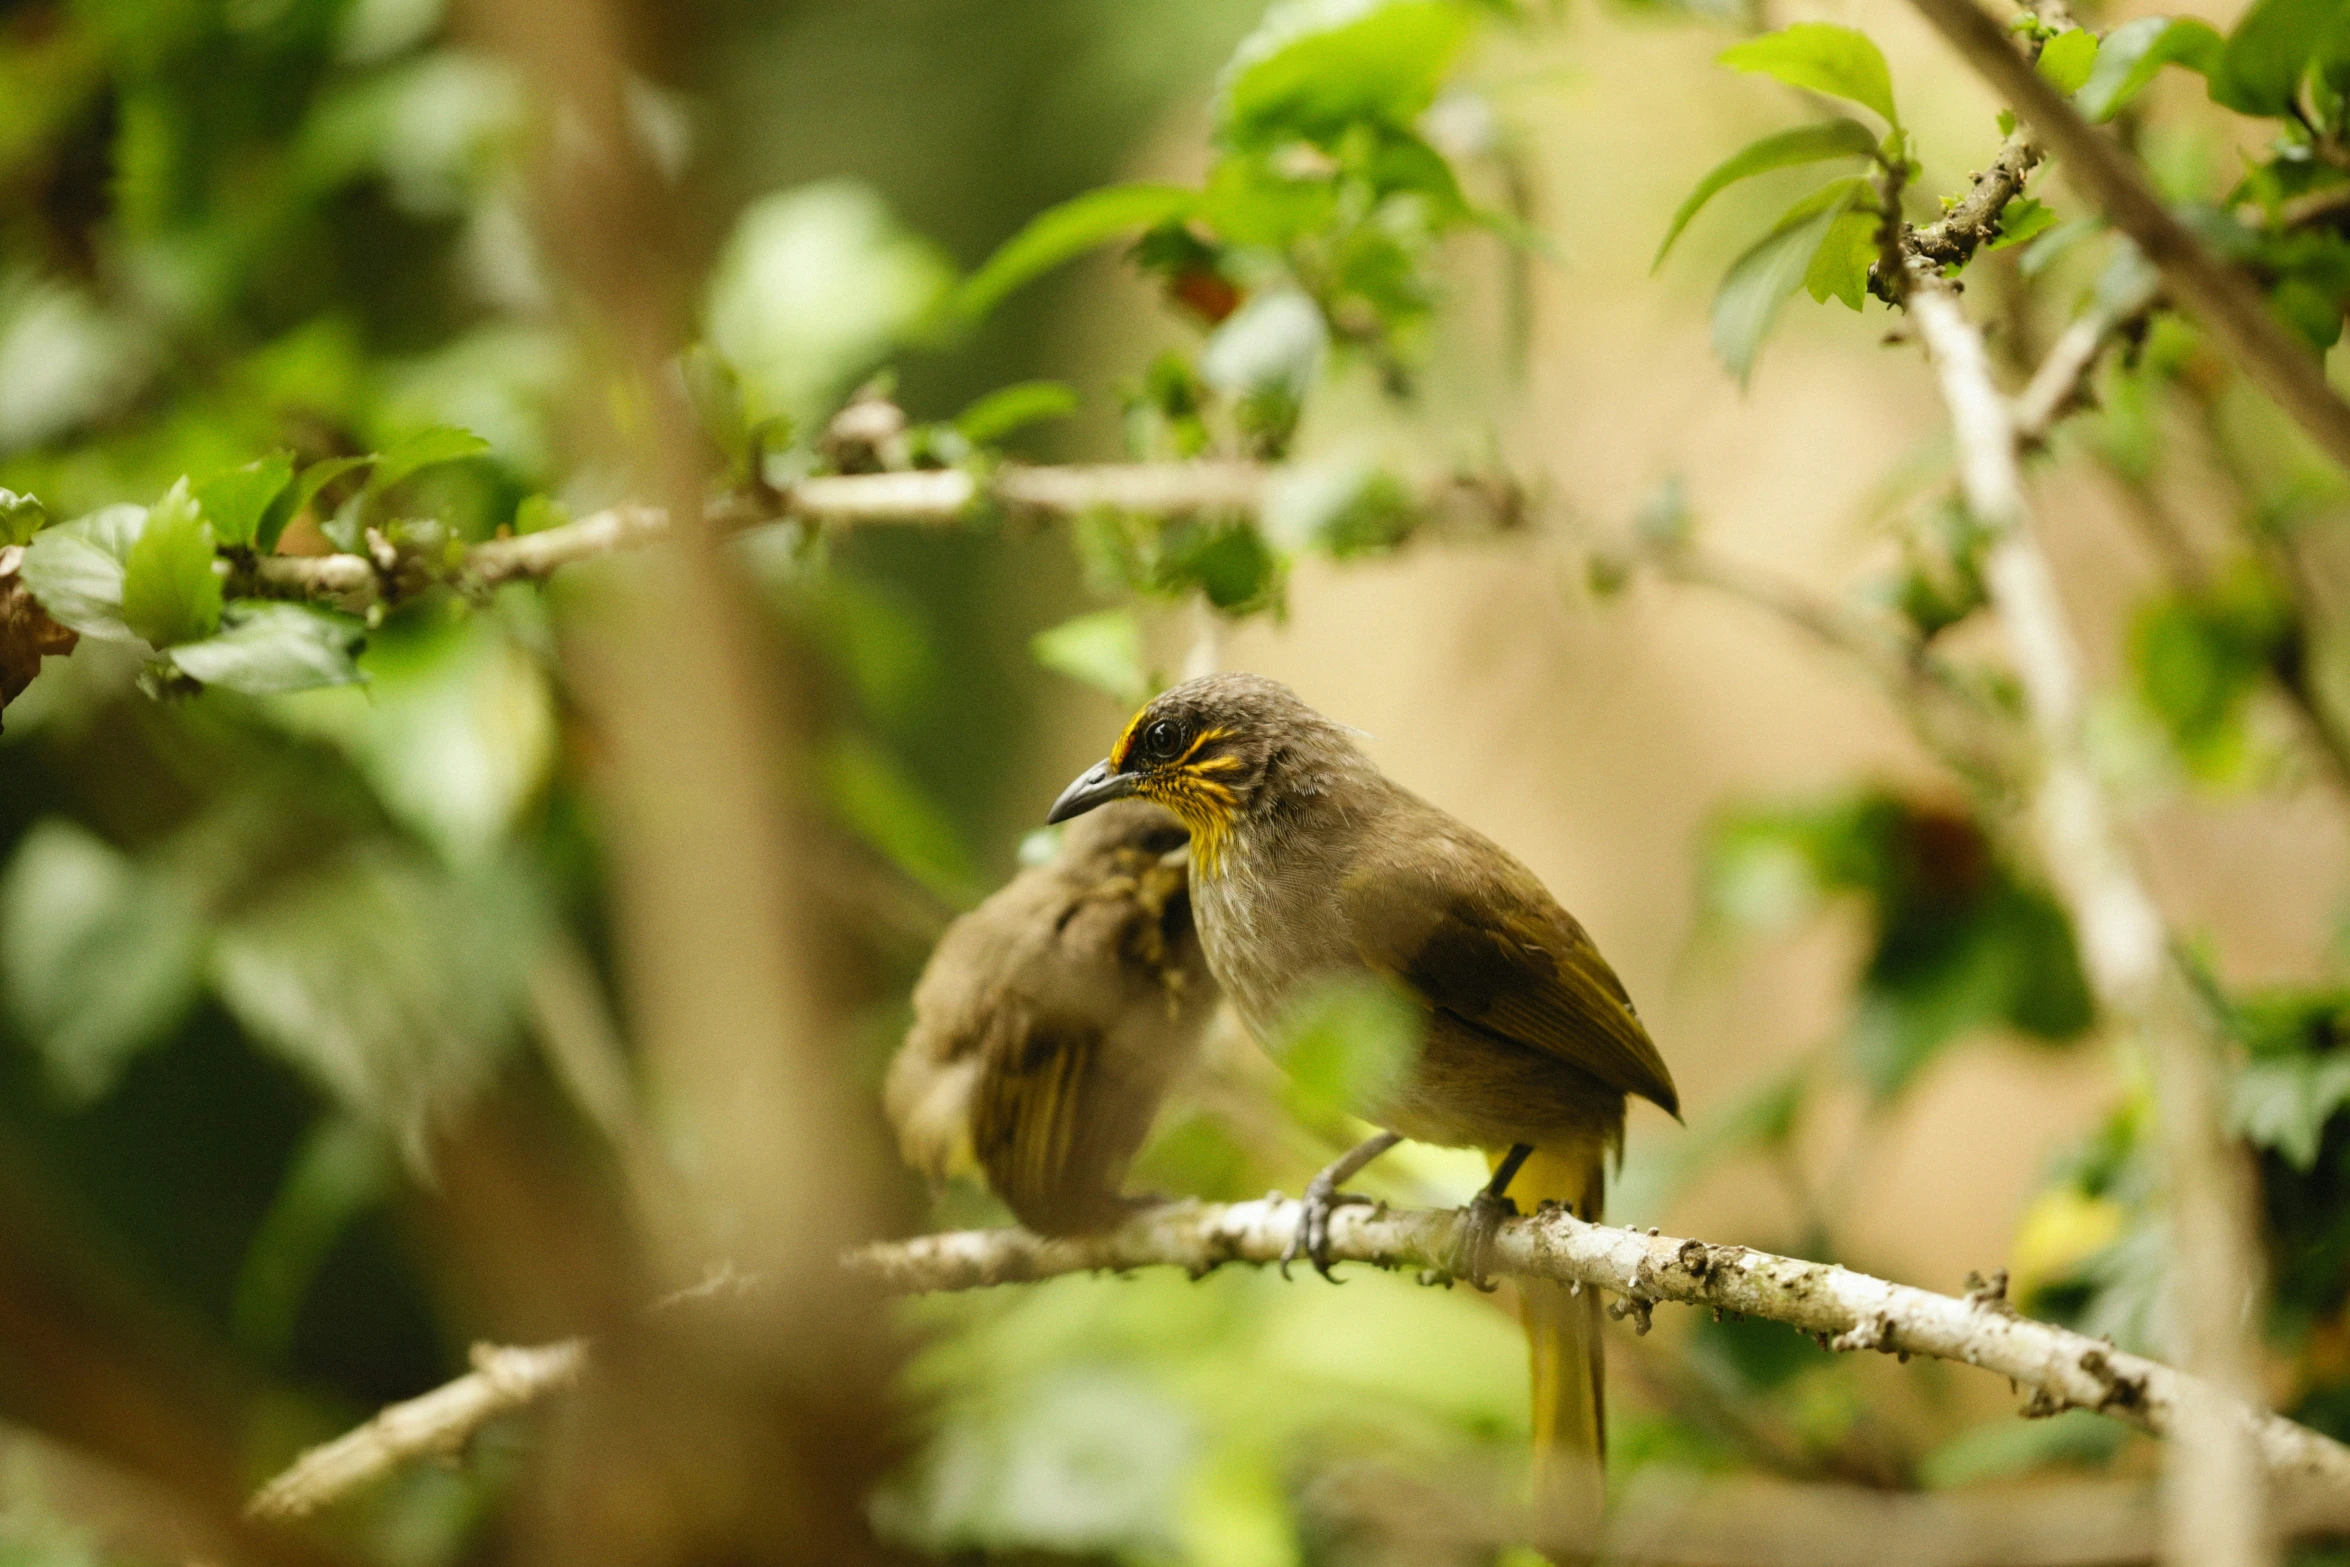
[1218, 751]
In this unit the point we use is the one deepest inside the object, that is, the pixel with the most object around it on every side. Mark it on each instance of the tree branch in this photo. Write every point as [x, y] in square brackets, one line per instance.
[440, 1422]
[1850, 1311]
[938, 497]
[2061, 382]
[1967, 227]
[1845, 1310]
[2216, 1506]
[2223, 299]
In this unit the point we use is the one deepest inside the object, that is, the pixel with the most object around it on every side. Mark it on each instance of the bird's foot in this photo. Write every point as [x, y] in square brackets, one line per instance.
[1312, 1240]
[1473, 1243]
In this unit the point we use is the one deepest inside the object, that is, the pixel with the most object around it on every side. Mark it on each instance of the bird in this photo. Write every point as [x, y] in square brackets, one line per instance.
[1050, 1021]
[1310, 866]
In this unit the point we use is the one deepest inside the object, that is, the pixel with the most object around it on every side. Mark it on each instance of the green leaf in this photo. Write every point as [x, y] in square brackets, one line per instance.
[2067, 60]
[269, 647]
[2026, 218]
[2284, 1103]
[814, 290]
[1840, 267]
[1229, 562]
[2047, 248]
[425, 449]
[1250, 202]
[716, 393]
[2199, 657]
[290, 502]
[236, 501]
[882, 803]
[170, 592]
[1821, 57]
[1313, 68]
[1759, 281]
[1102, 650]
[1009, 408]
[1838, 138]
[341, 1170]
[99, 957]
[1067, 231]
[538, 513]
[2272, 48]
[1339, 505]
[454, 729]
[21, 516]
[2134, 53]
[75, 569]
[1343, 1045]
[394, 986]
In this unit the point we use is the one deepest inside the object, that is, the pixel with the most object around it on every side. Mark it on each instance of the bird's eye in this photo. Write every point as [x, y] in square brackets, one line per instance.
[1161, 739]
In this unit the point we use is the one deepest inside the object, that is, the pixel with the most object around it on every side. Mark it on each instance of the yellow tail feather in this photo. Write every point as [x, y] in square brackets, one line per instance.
[1566, 1356]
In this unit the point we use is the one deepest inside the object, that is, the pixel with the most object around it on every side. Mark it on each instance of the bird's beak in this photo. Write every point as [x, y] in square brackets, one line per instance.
[1097, 785]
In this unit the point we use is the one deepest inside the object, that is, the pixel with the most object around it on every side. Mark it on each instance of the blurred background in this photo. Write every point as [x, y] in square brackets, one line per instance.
[326, 1048]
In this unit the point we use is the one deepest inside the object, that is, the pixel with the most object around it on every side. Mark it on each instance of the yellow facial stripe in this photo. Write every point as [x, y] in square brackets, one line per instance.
[1206, 808]
[1192, 750]
[1126, 740]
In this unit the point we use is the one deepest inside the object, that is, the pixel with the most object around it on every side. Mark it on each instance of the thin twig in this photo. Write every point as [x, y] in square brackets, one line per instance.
[2061, 382]
[440, 1422]
[1976, 220]
[939, 497]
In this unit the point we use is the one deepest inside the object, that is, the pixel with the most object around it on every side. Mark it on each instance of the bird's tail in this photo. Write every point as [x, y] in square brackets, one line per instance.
[1567, 1357]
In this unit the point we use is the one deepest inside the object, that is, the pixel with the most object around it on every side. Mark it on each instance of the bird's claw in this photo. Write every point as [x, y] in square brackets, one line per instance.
[1312, 1239]
[1473, 1244]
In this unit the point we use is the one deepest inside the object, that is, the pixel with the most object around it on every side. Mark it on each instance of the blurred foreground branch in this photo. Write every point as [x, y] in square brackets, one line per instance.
[1845, 1310]
[937, 497]
[439, 1423]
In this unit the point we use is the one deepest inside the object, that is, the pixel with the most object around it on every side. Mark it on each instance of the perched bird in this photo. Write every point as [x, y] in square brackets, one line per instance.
[1051, 1019]
[1309, 865]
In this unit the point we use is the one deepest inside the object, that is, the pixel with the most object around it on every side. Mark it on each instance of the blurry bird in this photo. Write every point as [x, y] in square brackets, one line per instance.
[1308, 866]
[1051, 1020]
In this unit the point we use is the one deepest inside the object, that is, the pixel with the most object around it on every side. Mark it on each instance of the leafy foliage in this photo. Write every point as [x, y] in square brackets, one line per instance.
[101, 956]
[301, 309]
[2134, 53]
[1103, 650]
[1782, 149]
[1823, 57]
[1957, 942]
[1826, 242]
[267, 648]
[2199, 657]
[234, 502]
[1063, 233]
[169, 591]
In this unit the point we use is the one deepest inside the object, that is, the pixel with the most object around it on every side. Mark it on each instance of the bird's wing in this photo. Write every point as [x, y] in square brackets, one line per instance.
[1476, 936]
[1050, 1123]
